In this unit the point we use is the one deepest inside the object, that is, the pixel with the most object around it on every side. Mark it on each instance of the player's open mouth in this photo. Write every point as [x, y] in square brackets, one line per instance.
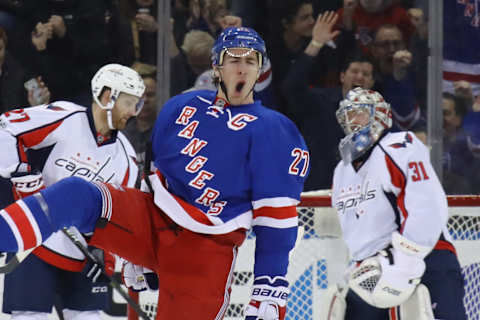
[239, 86]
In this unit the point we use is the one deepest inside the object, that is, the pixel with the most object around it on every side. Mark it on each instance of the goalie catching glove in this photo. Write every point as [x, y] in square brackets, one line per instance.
[269, 299]
[389, 278]
[139, 278]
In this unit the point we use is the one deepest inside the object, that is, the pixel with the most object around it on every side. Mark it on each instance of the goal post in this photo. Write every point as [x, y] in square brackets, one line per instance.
[320, 257]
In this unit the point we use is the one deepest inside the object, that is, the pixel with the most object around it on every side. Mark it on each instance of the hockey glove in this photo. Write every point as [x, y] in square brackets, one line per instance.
[26, 184]
[139, 278]
[389, 278]
[95, 271]
[269, 299]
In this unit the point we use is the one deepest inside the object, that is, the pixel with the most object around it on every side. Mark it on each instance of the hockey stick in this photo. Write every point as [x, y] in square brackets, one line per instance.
[10, 265]
[113, 283]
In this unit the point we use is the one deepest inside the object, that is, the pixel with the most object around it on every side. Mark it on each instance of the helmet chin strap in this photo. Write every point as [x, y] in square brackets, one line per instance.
[109, 120]
[110, 106]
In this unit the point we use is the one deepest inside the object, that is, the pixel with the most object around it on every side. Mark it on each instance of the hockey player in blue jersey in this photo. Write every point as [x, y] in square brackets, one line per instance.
[224, 164]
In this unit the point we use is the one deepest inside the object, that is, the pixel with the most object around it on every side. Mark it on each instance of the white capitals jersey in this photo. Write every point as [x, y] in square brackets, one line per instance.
[60, 140]
[395, 189]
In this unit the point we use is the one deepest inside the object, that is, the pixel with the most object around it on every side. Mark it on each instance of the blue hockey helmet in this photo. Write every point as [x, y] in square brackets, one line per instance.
[238, 37]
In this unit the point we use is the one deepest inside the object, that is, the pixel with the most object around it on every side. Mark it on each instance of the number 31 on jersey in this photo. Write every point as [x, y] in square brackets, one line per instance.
[297, 168]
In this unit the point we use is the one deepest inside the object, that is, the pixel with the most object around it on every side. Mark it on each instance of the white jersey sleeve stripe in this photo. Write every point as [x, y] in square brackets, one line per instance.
[275, 223]
[275, 202]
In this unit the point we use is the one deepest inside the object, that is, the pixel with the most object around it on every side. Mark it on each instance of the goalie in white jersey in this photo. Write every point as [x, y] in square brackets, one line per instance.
[44, 144]
[393, 213]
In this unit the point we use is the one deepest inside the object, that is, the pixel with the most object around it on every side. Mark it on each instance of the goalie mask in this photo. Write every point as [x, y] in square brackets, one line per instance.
[363, 115]
[118, 79]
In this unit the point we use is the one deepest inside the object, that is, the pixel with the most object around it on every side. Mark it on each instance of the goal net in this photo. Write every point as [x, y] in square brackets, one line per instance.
[320, 258]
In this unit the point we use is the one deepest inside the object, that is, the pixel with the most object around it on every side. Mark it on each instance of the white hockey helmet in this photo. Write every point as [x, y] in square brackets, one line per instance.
[118, 79]
[359, 138]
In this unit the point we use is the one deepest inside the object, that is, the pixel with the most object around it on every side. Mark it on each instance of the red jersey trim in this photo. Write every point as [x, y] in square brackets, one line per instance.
[23, 225]
[276, 213]
[445, 245]
[58, 260]
[194, 212]
[264, 75]
[399, 181]
[34, 137]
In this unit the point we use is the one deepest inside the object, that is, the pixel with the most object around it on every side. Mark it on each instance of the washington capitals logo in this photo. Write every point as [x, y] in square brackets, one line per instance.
[408, 139]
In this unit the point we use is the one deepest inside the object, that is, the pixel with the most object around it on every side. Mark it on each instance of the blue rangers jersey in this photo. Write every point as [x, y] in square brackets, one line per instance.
[60, 140]
[224, 166]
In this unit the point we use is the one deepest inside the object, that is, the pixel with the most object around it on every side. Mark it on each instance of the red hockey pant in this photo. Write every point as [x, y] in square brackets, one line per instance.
[194, 270]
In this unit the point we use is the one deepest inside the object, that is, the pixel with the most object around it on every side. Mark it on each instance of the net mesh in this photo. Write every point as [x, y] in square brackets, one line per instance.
[320, 258]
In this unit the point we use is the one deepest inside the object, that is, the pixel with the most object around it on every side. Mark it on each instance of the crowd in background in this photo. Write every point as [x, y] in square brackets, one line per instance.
[381, 44]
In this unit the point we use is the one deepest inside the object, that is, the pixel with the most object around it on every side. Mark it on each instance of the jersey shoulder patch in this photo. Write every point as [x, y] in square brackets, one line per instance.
[403, 146]
[403, 141]
[407, 139]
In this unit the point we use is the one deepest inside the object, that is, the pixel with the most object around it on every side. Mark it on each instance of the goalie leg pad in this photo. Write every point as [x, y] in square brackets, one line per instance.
[337, 305]
[418, 306]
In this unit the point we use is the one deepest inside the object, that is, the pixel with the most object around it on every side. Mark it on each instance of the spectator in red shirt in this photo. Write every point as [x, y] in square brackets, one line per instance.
[364, 17]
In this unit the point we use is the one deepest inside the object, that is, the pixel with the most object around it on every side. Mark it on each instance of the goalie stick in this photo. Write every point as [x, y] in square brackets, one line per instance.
[113, 283]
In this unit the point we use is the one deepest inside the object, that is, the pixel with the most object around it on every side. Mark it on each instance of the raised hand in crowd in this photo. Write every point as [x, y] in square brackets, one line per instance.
[348, 9]
[476, 104]
[38, 94]
[146, 22]
[322, 32]
[463, 89]
[41, 34]
[418, 20]
[58, 26]
[229, 21]
[402, 59]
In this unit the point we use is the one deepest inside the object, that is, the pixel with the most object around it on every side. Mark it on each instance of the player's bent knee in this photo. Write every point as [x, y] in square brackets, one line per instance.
[81, 315]
[29, 315]
[73, 201]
